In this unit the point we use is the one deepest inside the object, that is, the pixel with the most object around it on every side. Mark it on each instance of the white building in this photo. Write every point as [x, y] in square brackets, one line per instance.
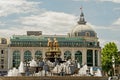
[81, 44]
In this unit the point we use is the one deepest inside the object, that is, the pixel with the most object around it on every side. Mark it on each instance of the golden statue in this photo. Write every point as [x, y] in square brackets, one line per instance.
[50, 43]
[55, 44]
[53, 51]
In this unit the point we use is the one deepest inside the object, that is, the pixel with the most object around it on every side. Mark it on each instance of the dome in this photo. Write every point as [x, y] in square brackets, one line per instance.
[82, 29]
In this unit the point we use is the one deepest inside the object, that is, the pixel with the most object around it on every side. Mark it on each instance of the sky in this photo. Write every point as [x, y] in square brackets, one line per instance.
[60, 17]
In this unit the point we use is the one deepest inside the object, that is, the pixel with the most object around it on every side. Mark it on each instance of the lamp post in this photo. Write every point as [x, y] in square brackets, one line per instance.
[113, 64]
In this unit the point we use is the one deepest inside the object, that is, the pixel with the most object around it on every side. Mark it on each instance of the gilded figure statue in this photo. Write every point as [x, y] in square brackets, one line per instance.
[50, 43]
[55, 44]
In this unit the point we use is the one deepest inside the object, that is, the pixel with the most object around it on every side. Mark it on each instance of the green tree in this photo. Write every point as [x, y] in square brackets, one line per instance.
[109, 50]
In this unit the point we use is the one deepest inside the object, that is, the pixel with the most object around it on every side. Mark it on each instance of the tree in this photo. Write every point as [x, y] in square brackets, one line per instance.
[109, 50]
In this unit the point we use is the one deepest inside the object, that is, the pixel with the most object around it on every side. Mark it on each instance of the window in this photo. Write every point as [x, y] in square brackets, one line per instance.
[96, 58]
[2, 51]
[2, 61]
[67, 55]
[90, 43]
[38, 54]
[2, 66]
[87, 34]
[78, 56]
[89, 57]
[27, 56]
[3, 41]
[16, 59]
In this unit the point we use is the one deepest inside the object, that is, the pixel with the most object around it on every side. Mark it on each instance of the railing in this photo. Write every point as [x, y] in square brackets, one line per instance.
[25, 45]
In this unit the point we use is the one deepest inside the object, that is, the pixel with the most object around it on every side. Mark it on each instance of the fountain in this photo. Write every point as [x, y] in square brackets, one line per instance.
[53, 52]
[53, 66]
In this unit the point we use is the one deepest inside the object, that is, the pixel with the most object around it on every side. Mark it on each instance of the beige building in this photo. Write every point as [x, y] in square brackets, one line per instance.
[80, 44]
[3, 56]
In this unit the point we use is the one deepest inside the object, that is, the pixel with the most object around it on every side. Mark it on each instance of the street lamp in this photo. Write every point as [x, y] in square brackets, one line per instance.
[113, 64]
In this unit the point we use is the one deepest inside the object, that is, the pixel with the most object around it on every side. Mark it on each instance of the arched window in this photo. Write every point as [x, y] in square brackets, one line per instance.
[67, 55]
[75, 33]
[89, 57]
[16, 59]
[27, 55]
[78, 56]
[3, 41]
[38, 54]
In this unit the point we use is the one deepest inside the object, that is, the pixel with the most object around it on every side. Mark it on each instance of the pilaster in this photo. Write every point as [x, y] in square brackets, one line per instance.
[33, 53]
[84, 55]
[10, 52]
[22, 55]
[73, 54]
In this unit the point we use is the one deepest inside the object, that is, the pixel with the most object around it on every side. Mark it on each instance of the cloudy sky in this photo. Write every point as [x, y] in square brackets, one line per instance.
[60, 16]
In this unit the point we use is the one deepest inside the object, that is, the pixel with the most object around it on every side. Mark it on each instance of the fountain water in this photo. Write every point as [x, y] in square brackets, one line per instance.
[83, 70]
[21, 68]
[33, 63]
[56, 69]
[63, 67]
[98, 73]
[78, 65]
[13, 72]
[10, 73]
[91, 70]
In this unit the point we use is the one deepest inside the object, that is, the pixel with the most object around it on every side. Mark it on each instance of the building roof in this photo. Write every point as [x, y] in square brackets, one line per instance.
[43, 38]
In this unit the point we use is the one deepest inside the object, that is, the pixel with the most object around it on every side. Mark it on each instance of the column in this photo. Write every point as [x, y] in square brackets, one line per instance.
[33, 53]
[84, 56]
[6, 60]
[22, 55]
[73, 54]
[93, 57]
[10, 52]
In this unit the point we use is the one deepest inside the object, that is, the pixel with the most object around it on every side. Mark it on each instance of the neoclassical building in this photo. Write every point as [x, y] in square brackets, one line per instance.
[80, 44]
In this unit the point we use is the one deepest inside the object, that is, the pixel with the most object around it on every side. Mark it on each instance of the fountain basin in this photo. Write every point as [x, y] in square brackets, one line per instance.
[53, 78]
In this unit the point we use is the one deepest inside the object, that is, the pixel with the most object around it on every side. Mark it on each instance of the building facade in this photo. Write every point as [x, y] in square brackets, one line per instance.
[3, 56]
[80, 44]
